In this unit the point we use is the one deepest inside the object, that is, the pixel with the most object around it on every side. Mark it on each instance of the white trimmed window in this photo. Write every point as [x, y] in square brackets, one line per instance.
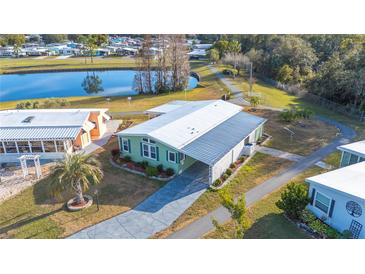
[171, 156]
[149, 151]
[125, 145]
[322, 202]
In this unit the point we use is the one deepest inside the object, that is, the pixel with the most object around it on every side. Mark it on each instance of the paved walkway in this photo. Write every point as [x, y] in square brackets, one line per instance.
[111, 127]
[280, 154]
[155, 213]
[203, 225]
[236, 93]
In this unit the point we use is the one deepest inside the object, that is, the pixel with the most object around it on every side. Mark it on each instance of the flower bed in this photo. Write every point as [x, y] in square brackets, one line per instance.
[317, 228]
[143, 169]
[230, 173]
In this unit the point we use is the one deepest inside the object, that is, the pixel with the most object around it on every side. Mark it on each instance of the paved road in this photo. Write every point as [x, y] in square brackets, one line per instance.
[155, 213]
[203, 225]
[237, 95]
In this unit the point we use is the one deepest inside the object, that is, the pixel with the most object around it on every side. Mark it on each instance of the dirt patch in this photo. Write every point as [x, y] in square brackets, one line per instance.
[310, 134]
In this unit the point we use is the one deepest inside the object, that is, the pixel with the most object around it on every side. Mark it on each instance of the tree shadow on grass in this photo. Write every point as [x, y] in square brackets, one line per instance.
[274, 226]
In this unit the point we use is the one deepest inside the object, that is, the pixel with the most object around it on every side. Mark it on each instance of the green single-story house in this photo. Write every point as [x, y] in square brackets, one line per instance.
[213, 132]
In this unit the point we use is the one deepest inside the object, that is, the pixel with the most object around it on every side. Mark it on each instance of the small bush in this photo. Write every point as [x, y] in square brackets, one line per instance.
[114, 152]
[347, 234]
[307, 216]
[160, 168]
[20, 105]
[151, 171]
[229, 172]
[224, 177]
[233, 165]
[241, 159]
[217, 182]
[293, 200]
[170, 171]
[144, 164]
[127, 158]
[226, 97]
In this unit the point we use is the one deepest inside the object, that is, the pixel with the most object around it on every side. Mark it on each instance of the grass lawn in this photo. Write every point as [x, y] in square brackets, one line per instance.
[260, 168]
[267, 221]
[333, 159]
[208, 88]
[309, 136]
[14, 65]
[34, 214]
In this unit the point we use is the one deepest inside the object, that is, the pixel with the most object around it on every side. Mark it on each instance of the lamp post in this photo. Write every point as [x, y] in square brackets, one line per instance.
[96, 192]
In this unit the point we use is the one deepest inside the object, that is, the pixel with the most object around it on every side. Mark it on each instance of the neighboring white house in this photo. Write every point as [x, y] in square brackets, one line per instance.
[352, 153]
[213, 132]
[49, 133]
[338, 198]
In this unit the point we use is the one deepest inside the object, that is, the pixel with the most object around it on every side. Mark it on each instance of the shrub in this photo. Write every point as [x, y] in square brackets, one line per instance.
[254, 101]
[170, 171]
[233, 165]
[226, 97]
[295, 113]
[241, 159]
[224, 177]
[307, 216]
[35, 104]
[144, 164]
[229, 172]
[114, 152]
[217, 182]
[160, 168]
[127, 158]
[347, 234]
[20, 105]
[293, 200]
[151, 171]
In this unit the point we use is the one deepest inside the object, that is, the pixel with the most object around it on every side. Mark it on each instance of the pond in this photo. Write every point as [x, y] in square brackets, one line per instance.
[66, 84]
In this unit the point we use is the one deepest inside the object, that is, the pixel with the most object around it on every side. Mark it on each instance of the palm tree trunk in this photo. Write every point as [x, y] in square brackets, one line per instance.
[79, 196]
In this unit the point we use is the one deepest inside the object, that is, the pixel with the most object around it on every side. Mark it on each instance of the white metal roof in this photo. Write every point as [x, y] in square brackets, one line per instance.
[179, 127]
[355, 148]
[350, 179]
[170, 106]
[38, 133]
[44, 123]
[45, 117]
[216, 143]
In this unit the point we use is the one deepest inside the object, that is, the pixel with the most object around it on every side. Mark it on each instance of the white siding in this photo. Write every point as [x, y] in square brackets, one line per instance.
[341, 219]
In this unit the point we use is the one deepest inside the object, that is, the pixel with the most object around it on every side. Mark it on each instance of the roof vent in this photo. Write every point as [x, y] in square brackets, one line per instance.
[28, 119]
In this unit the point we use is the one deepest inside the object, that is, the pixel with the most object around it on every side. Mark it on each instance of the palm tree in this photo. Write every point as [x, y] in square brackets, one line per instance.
[75, 173]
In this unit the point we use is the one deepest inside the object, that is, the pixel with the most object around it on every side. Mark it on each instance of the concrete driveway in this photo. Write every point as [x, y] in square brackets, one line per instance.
[155, 213]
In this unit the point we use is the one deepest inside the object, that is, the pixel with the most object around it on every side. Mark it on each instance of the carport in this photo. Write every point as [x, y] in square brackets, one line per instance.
[225, 143]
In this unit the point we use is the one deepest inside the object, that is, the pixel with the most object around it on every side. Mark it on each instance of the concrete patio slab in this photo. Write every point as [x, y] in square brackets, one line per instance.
[155, 213]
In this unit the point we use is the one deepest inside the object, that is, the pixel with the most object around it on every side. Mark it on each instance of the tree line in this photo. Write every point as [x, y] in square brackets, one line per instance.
[331, 66]
[162, 64]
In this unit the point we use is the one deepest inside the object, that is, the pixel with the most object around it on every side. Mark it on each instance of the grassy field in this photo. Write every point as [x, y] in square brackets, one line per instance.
[310, 134]
[208, 88]
[260, 168]
[22, 65]
[267, 221]
[34, 214]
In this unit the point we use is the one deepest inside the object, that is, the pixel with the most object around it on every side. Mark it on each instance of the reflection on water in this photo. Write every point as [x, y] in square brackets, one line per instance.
[66, 84]
[92, 83]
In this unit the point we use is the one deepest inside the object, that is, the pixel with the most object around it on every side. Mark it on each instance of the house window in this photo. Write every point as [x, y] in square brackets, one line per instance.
[182, 156]
[23, 147]
[36, 146]
[10, 147]
[60, 146]
[322, 202]
[171, 157]
[345, 159]
[49, 146]
[148, 140]
[361, 159]
[125, 145]
[353, 159]
[149, 151]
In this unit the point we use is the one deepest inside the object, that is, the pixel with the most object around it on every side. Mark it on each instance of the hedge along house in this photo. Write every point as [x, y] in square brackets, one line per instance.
[49, 133]
[338, 198]
[213, 132]
[352, 153]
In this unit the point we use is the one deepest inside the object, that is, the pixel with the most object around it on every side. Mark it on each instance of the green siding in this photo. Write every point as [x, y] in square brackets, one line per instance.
[136, 155]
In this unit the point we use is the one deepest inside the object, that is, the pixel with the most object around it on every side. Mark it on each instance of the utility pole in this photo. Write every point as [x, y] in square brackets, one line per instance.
[250, 77]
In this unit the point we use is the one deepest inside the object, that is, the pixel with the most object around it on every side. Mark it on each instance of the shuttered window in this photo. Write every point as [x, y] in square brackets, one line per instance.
[322, 202]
